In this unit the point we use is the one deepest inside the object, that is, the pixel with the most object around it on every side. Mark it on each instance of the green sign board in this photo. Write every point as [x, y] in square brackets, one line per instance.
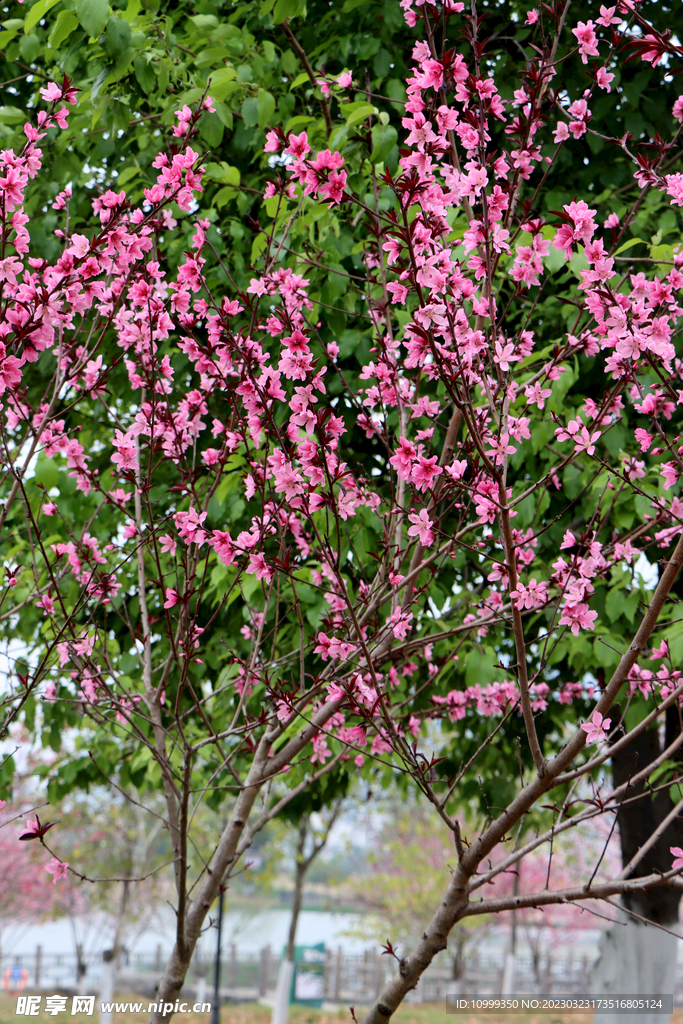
[308, 978]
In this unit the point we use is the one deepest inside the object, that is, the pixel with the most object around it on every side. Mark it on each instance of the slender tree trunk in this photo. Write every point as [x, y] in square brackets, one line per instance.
[284, 981]
[299, 874]
[117, 947]
[456, 984]
[637, 958]
[190, 928]
[508, 985]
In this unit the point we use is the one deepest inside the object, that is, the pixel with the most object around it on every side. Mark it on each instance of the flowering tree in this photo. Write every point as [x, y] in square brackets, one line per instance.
[449, 528]
[24, 899]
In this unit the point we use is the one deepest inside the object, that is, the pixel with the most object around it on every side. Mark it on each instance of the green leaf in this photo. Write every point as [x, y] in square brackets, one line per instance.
[637, 711]
[30, 47]
[614, 602]
[258, 245]
[223, 82]
[224, 113]
[481, 668]
[627, 245]
[288, 9]
[162, 75]
[93, 15]
[298, 122]
[210, 56]
[577, 263]
[555, 260]
[664, 770]
[132, 10]
[211, 129]
[224, 195]
[355, 112]
[662, 252]
[384, 138]
[47, 472]
[99, 82]
[265, 105]
[205, 20]
[676, 793]
[299, 80]
[37, 12]
[250, 112]
[223, 173]
[147, 80]
[8, 36]
[12, 115]
[64, 26]
[126, 175]
[117, 38]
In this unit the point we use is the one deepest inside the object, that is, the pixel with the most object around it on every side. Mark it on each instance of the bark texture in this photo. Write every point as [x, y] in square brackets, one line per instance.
[637, 958]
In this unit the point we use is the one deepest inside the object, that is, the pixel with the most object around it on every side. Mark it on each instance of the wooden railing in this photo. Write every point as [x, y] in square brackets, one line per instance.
[348, 977]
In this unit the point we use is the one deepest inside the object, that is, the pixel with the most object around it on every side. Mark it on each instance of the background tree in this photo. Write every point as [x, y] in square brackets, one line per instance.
[408, 869]
[130, 846]
[25, 898]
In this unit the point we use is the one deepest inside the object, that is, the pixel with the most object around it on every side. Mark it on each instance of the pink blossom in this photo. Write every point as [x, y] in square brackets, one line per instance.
[534, 595]
[578, 616]
[643, 438]
[421, 527]
[604, 79]
[670, 474]
[579, 434]
[258, 565]
[323, 647]
[596, 728]
[402, 461]
[58, 869]
[500, 449]
[32, 830]
[297, 145]
[424, 472]
[660, 652]
[80, 246]
[587, 40]
[607, 16]
[51, 92]
[678, 858]
[320, 750]
[167, 544]
[400, 623]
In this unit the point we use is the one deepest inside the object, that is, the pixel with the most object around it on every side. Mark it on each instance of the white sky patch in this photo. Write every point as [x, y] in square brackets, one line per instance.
[647, 572]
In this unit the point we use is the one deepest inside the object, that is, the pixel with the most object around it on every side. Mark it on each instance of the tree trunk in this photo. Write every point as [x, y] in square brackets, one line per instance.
[107, 986]
[456, 984]
[508, 983]
[637, 958]
[296, 910]
[117, 948]
[284, 981]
